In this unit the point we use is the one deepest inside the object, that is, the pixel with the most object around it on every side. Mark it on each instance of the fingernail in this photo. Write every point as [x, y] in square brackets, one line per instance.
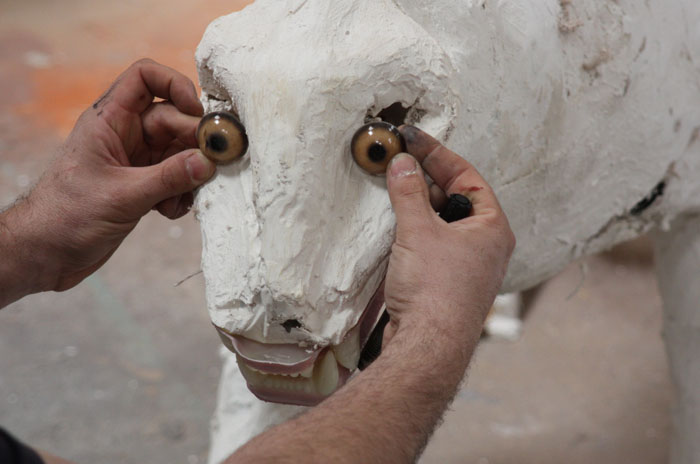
[199, 167]
[402, 165]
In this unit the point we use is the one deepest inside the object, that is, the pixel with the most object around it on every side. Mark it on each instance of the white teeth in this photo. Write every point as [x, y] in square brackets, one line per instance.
[295, 383]
[256, 370]
[321, 378]
[326, 375]
[348, 352]
[305, 373]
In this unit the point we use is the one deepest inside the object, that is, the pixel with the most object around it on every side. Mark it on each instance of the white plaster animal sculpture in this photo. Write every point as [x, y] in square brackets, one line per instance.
[584, 116]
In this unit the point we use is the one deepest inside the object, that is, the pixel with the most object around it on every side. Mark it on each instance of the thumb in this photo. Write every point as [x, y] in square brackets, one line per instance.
[408, 192]
[175, 175]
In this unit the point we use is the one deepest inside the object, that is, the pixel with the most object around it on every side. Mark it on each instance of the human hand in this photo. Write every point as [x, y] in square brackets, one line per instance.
[442, 276]
[126, 155]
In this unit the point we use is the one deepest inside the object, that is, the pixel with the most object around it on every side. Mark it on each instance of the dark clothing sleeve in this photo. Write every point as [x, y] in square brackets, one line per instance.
[14, 452]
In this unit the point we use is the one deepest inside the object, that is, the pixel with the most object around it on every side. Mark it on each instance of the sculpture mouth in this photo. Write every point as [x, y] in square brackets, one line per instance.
[292, 374]
[306, 388]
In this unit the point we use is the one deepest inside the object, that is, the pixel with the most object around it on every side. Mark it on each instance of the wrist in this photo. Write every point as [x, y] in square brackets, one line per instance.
[436, 349]
[451, 332]
[22, 267]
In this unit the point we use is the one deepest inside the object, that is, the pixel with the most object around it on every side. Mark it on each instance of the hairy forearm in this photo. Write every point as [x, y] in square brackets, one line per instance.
[385, 414]
[21, 271]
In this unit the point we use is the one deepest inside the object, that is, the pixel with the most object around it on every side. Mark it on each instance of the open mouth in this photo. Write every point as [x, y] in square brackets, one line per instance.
[292, 374]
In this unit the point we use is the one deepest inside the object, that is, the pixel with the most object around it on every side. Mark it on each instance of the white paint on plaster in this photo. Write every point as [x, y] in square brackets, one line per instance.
[573, 111]
[572, 114]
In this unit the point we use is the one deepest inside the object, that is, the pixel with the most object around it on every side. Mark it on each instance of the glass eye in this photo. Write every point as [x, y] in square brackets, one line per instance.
[221, 137]
[375, 144]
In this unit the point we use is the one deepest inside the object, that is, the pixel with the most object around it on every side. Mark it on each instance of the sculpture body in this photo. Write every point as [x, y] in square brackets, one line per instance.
[584, 117]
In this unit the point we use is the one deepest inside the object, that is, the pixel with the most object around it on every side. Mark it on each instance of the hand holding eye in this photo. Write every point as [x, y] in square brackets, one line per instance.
[126, 155]
[443, 276]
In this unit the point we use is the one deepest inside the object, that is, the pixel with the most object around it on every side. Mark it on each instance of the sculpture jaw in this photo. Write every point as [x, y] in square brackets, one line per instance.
[304, 389]
[294, 374]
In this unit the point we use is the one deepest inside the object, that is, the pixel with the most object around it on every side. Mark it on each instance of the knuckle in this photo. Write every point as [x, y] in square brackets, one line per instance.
[157, 114]
[160, 115]
[138, 65]
[492, 218]
[143, 62]
[436, 152]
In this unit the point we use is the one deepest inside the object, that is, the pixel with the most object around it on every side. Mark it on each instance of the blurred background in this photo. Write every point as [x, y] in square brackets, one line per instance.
[124, 367]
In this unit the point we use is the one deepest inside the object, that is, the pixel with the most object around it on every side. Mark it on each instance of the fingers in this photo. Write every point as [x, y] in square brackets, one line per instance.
[408, 193]
[451, 173]
[168, 84]
[177, 206]
[135, 89]
[169, 207]
[163, 123]
[174, 176]
[438, 199]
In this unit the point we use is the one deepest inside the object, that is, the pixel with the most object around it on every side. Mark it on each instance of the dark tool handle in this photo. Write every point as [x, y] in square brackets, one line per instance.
[373, 347]
[457, 207]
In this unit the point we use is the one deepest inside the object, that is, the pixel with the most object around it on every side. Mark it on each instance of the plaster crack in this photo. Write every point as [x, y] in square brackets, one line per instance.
[633, 220]
[694, 137]
[522, 176]
[299, 7]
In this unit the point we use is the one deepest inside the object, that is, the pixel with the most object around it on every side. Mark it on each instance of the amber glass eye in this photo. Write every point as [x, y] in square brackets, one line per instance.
[221, 137]
[375, 144]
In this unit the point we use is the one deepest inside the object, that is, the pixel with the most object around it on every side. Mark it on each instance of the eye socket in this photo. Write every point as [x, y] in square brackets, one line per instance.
[221, 137]
[375, 144]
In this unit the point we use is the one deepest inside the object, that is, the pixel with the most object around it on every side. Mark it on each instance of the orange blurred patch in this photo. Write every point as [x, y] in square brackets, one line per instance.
[61, 94]
[95, 53]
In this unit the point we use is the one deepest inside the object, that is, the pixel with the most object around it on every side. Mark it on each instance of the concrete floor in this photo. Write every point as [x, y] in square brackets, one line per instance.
[586, 383]
[124, 367]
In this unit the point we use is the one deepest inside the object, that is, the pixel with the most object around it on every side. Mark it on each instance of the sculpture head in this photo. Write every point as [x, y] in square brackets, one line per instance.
[296, 236]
